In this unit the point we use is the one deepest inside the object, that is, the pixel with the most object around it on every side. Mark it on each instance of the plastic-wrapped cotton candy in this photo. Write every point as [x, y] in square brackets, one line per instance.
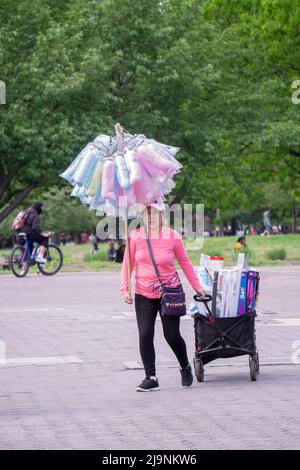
[82, 192]
[76, 190]
[148, 187]
[68, 174]
[108, 177]
[163, 151]
[96, 180]
[163, 159]
[144, 191]
[87, 179]
[167, 148]
[134, 168]
[167, 186]
[131, 196]
[149, 170]
[86, 166]
[126, 197]
[96, 200]
[134, 141]
[122, 171]
[103, 142]
[148, 155]
[156, 188]
[86, 200]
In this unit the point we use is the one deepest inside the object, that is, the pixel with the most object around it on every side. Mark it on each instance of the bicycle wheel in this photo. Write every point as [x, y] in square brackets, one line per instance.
[17, 257]
[54, 260]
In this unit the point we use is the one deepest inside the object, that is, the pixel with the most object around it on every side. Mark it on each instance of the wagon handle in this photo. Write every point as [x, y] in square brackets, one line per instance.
[205, 299]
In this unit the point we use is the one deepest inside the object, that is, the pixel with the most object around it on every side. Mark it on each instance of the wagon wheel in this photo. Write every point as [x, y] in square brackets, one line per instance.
[253, 364]
[199, 370]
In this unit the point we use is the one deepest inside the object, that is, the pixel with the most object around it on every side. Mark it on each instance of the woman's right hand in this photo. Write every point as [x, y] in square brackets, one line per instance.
[127, 298]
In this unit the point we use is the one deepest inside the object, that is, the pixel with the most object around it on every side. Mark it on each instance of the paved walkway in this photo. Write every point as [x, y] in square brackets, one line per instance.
[73, 364]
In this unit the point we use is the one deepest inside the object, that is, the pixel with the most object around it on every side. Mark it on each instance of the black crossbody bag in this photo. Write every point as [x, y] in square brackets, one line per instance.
[173, 298]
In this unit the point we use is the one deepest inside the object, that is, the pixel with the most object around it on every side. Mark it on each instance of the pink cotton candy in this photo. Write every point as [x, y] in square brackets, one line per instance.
[156, 189]
[152, 171]
[146, 165]
[141, 194]
[129, 195]
[108, 177]
[146, 153]
[146, 191]
[134, 167]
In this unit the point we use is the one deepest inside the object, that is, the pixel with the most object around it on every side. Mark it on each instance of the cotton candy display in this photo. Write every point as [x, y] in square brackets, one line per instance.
[140, 172]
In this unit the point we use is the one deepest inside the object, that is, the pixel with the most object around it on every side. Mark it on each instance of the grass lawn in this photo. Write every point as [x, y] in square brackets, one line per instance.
[75, 255]
[257, 245]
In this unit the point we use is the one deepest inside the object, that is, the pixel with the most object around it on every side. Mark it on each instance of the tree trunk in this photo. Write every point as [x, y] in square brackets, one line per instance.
[294, 216]
[19, 198]
[218, 223]
[233, 224]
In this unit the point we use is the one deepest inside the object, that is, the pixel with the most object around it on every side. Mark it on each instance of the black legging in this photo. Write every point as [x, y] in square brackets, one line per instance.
[146, 312]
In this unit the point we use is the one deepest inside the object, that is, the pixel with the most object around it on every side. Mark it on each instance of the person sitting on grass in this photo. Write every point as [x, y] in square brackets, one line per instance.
[120, 252]
[111, 252]
[240, 244]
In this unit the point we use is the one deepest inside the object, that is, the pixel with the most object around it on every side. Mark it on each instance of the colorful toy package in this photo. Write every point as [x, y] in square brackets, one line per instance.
[237, 288]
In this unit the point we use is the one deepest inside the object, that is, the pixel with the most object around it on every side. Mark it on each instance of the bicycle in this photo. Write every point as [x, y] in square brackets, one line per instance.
[22, 257]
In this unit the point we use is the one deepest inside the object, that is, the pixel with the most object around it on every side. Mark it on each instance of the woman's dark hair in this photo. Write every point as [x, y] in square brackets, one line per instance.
[37, 206]
[240, 239]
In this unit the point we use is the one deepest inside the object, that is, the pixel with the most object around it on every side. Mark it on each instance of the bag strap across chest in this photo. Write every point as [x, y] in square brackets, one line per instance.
[152, 257]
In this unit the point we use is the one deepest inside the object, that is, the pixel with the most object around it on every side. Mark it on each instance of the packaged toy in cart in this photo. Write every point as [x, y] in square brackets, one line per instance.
[234, 290]
[207, 274]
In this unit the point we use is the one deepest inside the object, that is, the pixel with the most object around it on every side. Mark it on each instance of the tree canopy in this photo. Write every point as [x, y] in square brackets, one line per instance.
[212, 77]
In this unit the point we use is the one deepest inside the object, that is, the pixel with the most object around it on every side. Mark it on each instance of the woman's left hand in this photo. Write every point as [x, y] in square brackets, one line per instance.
[201, 292]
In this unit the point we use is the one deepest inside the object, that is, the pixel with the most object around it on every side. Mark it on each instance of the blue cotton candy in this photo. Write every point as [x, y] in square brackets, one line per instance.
[68, 174]
[122, 171]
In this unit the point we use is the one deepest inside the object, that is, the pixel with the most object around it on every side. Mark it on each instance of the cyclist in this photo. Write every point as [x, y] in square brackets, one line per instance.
[32, 228]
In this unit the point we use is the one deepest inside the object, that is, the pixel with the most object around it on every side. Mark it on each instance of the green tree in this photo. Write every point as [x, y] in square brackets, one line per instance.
[212, 77]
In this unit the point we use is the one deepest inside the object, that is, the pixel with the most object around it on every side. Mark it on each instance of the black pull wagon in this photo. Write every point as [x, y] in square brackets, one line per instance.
[224, 337]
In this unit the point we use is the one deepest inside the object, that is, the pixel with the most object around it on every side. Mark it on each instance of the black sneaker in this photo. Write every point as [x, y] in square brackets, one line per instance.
[149, 384]
[186, 376]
